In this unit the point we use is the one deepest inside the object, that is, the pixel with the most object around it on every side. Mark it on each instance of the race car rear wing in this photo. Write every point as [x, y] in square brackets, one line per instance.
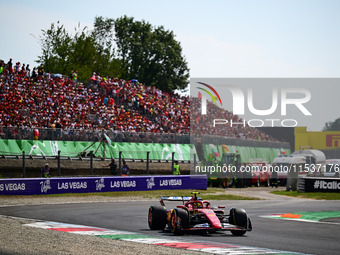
[182, 199]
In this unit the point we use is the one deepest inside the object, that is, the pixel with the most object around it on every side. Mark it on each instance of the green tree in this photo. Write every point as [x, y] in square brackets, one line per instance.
[85, 51]
[103, 34]
[151, 55]
[55, 45]
[332, 126]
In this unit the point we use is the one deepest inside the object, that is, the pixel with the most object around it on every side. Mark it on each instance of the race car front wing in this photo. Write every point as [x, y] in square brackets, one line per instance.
[225, 227]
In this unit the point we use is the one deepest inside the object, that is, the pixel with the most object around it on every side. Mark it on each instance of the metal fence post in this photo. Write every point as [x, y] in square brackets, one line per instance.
[172, 162]
[58, 163]
[147, 161]
[23, 165]
[195, 162]
[120, 162]
[91, 164]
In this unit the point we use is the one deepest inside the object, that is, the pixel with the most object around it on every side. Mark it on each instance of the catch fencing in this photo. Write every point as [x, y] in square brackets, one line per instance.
[74, 135]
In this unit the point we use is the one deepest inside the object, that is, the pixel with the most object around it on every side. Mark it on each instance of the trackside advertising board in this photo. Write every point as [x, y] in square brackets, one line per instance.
[321, 184]
[44, 186]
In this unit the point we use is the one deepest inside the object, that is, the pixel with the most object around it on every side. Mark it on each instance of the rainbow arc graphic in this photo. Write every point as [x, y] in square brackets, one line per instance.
[214, 96]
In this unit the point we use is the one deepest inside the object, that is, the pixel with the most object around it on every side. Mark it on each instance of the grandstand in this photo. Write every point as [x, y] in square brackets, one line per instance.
[110, 104]
[58, 111]
[56, 102]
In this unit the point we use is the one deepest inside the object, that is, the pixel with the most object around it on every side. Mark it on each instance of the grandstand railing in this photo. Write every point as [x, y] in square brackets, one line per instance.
[18, 133]
[90, 135]
[218, 140]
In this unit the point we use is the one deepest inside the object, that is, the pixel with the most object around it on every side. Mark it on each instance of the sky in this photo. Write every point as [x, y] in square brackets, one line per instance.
[220, 39]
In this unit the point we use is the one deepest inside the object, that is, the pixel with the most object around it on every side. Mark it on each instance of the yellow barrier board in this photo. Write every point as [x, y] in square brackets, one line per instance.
[316, 140]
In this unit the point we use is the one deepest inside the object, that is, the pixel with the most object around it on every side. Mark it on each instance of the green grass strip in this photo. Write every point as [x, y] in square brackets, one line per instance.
[311, 195]
[228, 197]
[208, 194]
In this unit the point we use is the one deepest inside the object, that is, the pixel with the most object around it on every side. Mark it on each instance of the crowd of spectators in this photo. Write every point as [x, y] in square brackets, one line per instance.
[235, 127]
[39, 100]
[104, 103]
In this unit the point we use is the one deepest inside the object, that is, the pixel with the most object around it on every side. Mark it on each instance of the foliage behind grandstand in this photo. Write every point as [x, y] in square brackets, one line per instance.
[141, 51]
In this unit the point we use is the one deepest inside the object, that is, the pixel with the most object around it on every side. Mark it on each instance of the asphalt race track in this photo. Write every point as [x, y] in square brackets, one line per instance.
[295, 236]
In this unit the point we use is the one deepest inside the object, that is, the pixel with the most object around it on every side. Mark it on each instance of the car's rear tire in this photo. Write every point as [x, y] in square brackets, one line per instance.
[157, 217]
[239, 218]
[179, 221]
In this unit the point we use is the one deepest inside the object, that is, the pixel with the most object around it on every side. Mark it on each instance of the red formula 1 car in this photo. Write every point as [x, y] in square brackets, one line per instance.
[197, 214]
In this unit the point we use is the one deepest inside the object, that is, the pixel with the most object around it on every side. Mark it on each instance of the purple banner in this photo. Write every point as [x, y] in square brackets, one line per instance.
[44, 186]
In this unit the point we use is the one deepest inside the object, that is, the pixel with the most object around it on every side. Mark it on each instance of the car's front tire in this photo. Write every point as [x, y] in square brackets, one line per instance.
[179, 220]
[239, 218]
[157, 217]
